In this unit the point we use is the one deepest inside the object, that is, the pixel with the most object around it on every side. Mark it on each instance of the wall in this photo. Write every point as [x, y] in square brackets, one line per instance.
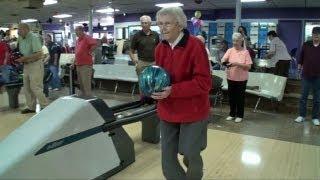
[290, 19]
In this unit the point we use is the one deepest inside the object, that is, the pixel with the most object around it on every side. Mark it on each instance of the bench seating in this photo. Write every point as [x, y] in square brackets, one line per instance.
[260, 84]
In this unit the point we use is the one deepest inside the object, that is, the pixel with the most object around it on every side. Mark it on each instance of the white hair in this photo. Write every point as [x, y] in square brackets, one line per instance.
[237, 36]
[201, 38]
[175, 12]
[148, 18]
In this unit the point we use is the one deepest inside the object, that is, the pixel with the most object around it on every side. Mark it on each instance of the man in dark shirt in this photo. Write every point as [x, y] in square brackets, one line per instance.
[144, 43]
[309, 62]
[54, 51]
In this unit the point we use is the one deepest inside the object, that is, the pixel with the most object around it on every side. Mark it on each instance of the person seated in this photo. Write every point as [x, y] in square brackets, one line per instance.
[222, 49]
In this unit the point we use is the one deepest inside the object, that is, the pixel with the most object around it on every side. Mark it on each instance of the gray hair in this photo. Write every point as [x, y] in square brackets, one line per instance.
[80, 28]
[24, 26]
[175, 12]
[148, 18]
[237, 36]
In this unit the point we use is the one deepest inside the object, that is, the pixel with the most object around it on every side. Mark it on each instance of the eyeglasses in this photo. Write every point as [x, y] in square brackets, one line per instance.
[166, 24]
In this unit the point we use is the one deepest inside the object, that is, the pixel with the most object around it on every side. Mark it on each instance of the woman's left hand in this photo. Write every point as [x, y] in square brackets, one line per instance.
[162, 95]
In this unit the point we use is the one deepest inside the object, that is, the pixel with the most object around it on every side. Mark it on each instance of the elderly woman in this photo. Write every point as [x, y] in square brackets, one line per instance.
[182, 107]
[238, 62]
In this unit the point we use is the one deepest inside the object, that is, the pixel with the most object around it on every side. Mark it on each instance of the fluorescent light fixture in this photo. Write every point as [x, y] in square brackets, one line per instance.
[62, 16]
[28, 20]
[164, 5]
[84, 22]
[245, 1]
[4, 29]
[116, 10]
[108, 21]
[106, 10]
[49, 2]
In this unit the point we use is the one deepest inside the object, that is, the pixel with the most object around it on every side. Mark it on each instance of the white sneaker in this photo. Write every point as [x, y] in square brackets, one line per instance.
[230, 118]
[237, 120]
[316, 122]
[299, 119]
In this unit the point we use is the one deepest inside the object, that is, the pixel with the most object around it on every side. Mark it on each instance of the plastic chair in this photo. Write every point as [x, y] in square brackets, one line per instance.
[216, 91]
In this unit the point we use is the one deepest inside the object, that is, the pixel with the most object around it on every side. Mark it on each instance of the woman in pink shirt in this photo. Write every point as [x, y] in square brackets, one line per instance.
[238, 62]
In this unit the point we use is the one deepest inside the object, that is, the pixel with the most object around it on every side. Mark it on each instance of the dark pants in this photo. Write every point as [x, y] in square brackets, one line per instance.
[187, 139]
[307, 85]
[282, 68]
[236, 93]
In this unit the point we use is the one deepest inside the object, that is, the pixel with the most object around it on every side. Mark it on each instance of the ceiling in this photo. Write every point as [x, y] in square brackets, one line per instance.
[12, 10]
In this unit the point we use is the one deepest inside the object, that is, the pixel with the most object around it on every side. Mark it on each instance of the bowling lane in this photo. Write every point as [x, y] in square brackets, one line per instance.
[232, 156]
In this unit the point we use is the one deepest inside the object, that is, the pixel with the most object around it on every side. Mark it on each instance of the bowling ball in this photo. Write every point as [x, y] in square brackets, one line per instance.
[153, 79]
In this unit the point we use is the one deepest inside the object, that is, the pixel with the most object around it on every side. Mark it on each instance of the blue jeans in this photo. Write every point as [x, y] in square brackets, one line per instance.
[5, 73]
[307, 84]
[55, 80]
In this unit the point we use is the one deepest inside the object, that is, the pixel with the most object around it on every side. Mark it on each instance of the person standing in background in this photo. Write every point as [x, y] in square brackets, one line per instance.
[54, 52]
[279, 55]
[144, 43]
[238, 62]
[4, 60]
[85, 46]
[243, 31]
[33, 70]
[309, 62]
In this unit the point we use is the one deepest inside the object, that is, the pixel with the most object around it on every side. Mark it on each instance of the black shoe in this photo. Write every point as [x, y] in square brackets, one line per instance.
[26, 111]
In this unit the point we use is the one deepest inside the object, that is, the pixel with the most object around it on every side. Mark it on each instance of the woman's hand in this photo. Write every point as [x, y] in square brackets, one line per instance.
[162, 95]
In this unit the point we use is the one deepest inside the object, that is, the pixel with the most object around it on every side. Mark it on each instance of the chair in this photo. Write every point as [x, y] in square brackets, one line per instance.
[216, 91]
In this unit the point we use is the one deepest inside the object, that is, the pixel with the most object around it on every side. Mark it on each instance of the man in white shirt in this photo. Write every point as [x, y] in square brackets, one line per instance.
[279, 55]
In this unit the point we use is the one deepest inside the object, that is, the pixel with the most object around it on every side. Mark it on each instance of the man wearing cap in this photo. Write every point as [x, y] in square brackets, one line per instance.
[309, 63]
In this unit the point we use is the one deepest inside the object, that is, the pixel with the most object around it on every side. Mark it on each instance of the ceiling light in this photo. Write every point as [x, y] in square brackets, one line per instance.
[165, 5]
[84, 22]
[28, 20]
[245, 1]
[49, 2]
[62, 16]
[116, 10]
[106, 10]
[107, 21]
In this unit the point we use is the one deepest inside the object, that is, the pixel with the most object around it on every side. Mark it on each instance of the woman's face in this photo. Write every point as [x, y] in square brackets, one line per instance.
[240, 30]
[169, 27]
[237, 43]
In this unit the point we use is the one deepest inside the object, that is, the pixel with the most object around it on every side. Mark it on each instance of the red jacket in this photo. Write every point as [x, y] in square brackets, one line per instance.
[188, 66]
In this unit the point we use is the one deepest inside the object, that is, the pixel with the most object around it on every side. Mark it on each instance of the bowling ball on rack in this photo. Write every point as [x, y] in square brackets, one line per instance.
[153, 79]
